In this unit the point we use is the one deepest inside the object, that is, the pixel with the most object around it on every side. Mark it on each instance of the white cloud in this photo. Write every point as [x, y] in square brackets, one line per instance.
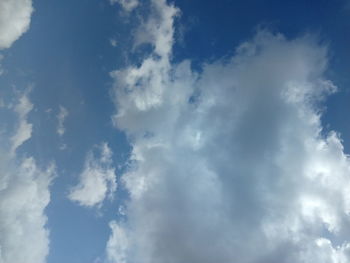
[230, 164]
[128, 5]
[14, 20]
[24, 195]
[61, 117]
[158, 29]
[97, 180]
[24, 128]
[117, 244]
[113, 42]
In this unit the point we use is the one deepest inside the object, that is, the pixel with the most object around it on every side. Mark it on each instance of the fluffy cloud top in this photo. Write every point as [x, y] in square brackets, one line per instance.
[97, 180]
[230, 164]
[24, 195]
[14, 20]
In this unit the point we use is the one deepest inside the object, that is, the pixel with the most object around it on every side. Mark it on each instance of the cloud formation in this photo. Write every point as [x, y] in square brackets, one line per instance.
[15, 18]
[97, 181]
[128, 5]
[117, 244]
[230, 164]
[24, 195]
[62, 115]
[24, 128]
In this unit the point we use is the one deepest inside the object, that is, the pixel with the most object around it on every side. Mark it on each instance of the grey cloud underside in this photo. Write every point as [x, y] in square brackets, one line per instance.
[234, 167]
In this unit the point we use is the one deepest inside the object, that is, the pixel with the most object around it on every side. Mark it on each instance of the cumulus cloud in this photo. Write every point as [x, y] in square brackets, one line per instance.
[24, 195]
[62, 115]
[15, 18]
[230, 164]
[128, 5]
[97, 180]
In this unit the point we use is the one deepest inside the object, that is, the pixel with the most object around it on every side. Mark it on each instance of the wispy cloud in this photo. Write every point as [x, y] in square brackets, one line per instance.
[128, 5]
[24, 128]
[61, 117]
[113, 42]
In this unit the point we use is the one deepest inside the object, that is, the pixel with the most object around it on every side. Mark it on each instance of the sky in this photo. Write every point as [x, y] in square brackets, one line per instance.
[153, 131]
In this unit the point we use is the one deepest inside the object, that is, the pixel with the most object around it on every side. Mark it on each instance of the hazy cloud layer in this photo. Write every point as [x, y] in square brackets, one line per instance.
[14, 20]
[230, 164]
[97, 180]
[24, 195]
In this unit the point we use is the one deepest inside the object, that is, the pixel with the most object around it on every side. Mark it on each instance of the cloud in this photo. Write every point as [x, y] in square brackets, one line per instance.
[62, 115]
[24, 128]
[24, 195]
[117, 244]
[128, 5]
[15, 18]
[97, 180]
[113, 42]
[230, 164]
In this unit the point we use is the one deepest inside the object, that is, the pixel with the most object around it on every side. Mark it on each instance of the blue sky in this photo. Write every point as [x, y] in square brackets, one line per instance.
[174, 131]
